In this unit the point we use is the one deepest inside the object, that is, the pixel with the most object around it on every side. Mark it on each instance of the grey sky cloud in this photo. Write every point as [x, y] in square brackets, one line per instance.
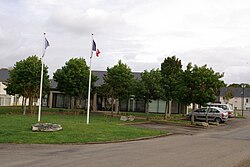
[139, 32]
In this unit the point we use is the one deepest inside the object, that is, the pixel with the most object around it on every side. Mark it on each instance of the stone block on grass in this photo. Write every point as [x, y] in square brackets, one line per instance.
[124, 118]
[46, 127]
[127, 118]
[131, 118]
[204, 124]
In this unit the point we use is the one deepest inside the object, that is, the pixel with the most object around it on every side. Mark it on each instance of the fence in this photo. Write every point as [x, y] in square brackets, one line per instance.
[5, 100]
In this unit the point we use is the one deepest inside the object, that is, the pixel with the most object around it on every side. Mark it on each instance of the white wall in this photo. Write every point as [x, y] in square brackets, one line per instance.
[2, 87]
[236, 102]
[8, 100]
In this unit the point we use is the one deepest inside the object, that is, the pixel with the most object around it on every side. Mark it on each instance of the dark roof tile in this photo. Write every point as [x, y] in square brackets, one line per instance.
[237, 92]
[4, 74]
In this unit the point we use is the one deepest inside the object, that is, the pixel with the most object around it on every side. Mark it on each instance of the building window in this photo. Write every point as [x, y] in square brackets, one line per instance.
[246, 100]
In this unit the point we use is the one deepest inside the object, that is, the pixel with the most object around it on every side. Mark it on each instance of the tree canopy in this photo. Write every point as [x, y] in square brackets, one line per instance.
[201, 85]
[235, 85]
[73, 78]
[228, 95]
[149, 87]
[25, 79]
[171, 70]
[119, 80]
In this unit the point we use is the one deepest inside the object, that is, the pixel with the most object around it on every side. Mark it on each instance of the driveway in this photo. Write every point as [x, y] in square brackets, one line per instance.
[178, 129]
[223, 147]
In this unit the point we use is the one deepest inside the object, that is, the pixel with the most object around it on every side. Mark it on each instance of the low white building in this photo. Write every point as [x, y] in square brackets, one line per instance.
[240, 100]
[5, 99]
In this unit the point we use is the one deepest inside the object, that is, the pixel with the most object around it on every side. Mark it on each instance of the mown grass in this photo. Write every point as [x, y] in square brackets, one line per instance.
[11, 110]
[19, 110]
[16, 128]
[159, 118]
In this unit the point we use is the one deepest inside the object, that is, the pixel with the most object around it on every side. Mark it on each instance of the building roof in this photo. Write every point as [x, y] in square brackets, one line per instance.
[101, 74]
[237, 92]
[4, 74]
[99, 82]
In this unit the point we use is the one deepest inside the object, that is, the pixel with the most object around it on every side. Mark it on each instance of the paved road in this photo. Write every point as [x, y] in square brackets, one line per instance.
[221, 147]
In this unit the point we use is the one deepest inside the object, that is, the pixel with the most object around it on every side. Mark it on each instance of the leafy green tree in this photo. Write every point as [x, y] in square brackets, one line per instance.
[149, 87]
[119, 80]
[171, 70]
[105, 91]
[228, 95]
[201, 85]
[25, 79]
[235, 85]
[73, 79]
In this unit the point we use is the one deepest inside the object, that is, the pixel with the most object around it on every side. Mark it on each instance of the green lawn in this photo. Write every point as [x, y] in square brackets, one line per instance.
[16, 128]
[159, 118]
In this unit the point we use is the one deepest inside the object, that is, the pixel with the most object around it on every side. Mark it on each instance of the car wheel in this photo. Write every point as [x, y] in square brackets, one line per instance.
[218, 120]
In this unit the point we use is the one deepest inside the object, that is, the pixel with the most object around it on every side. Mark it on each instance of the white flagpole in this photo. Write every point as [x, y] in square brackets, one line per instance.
[41, 85]
[91, 54]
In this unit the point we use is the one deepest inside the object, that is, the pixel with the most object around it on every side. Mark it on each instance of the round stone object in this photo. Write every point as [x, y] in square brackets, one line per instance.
[46, 127]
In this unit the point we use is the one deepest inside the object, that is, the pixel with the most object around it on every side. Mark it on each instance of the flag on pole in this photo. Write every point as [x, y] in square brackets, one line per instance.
[46, 43]
[93, 46]
[97, 52]
[41, 83]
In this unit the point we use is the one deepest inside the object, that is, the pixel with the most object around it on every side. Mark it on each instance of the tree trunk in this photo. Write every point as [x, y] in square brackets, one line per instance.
[30, 105]
[24, 104]
[169, 108]
[166, 111]
[32, 110]
[112, 107]
[75, 104]
[105, 104]
[192, 117]
[207, 114]
[147, 109]
[117, 106]
[69, 104]
[183, 108]
[16, 99]
[95, 102]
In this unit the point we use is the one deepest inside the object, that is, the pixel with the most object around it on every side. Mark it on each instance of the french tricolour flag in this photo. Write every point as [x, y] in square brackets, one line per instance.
[97, 51]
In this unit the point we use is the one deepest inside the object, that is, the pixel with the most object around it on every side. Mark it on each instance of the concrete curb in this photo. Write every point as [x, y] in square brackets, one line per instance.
[128, 140]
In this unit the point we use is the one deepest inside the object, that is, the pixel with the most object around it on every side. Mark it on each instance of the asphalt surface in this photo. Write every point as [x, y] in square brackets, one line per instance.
[224, 146]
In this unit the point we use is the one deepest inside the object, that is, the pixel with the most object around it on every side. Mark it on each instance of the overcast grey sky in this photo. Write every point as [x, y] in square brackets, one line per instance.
[139, 32]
